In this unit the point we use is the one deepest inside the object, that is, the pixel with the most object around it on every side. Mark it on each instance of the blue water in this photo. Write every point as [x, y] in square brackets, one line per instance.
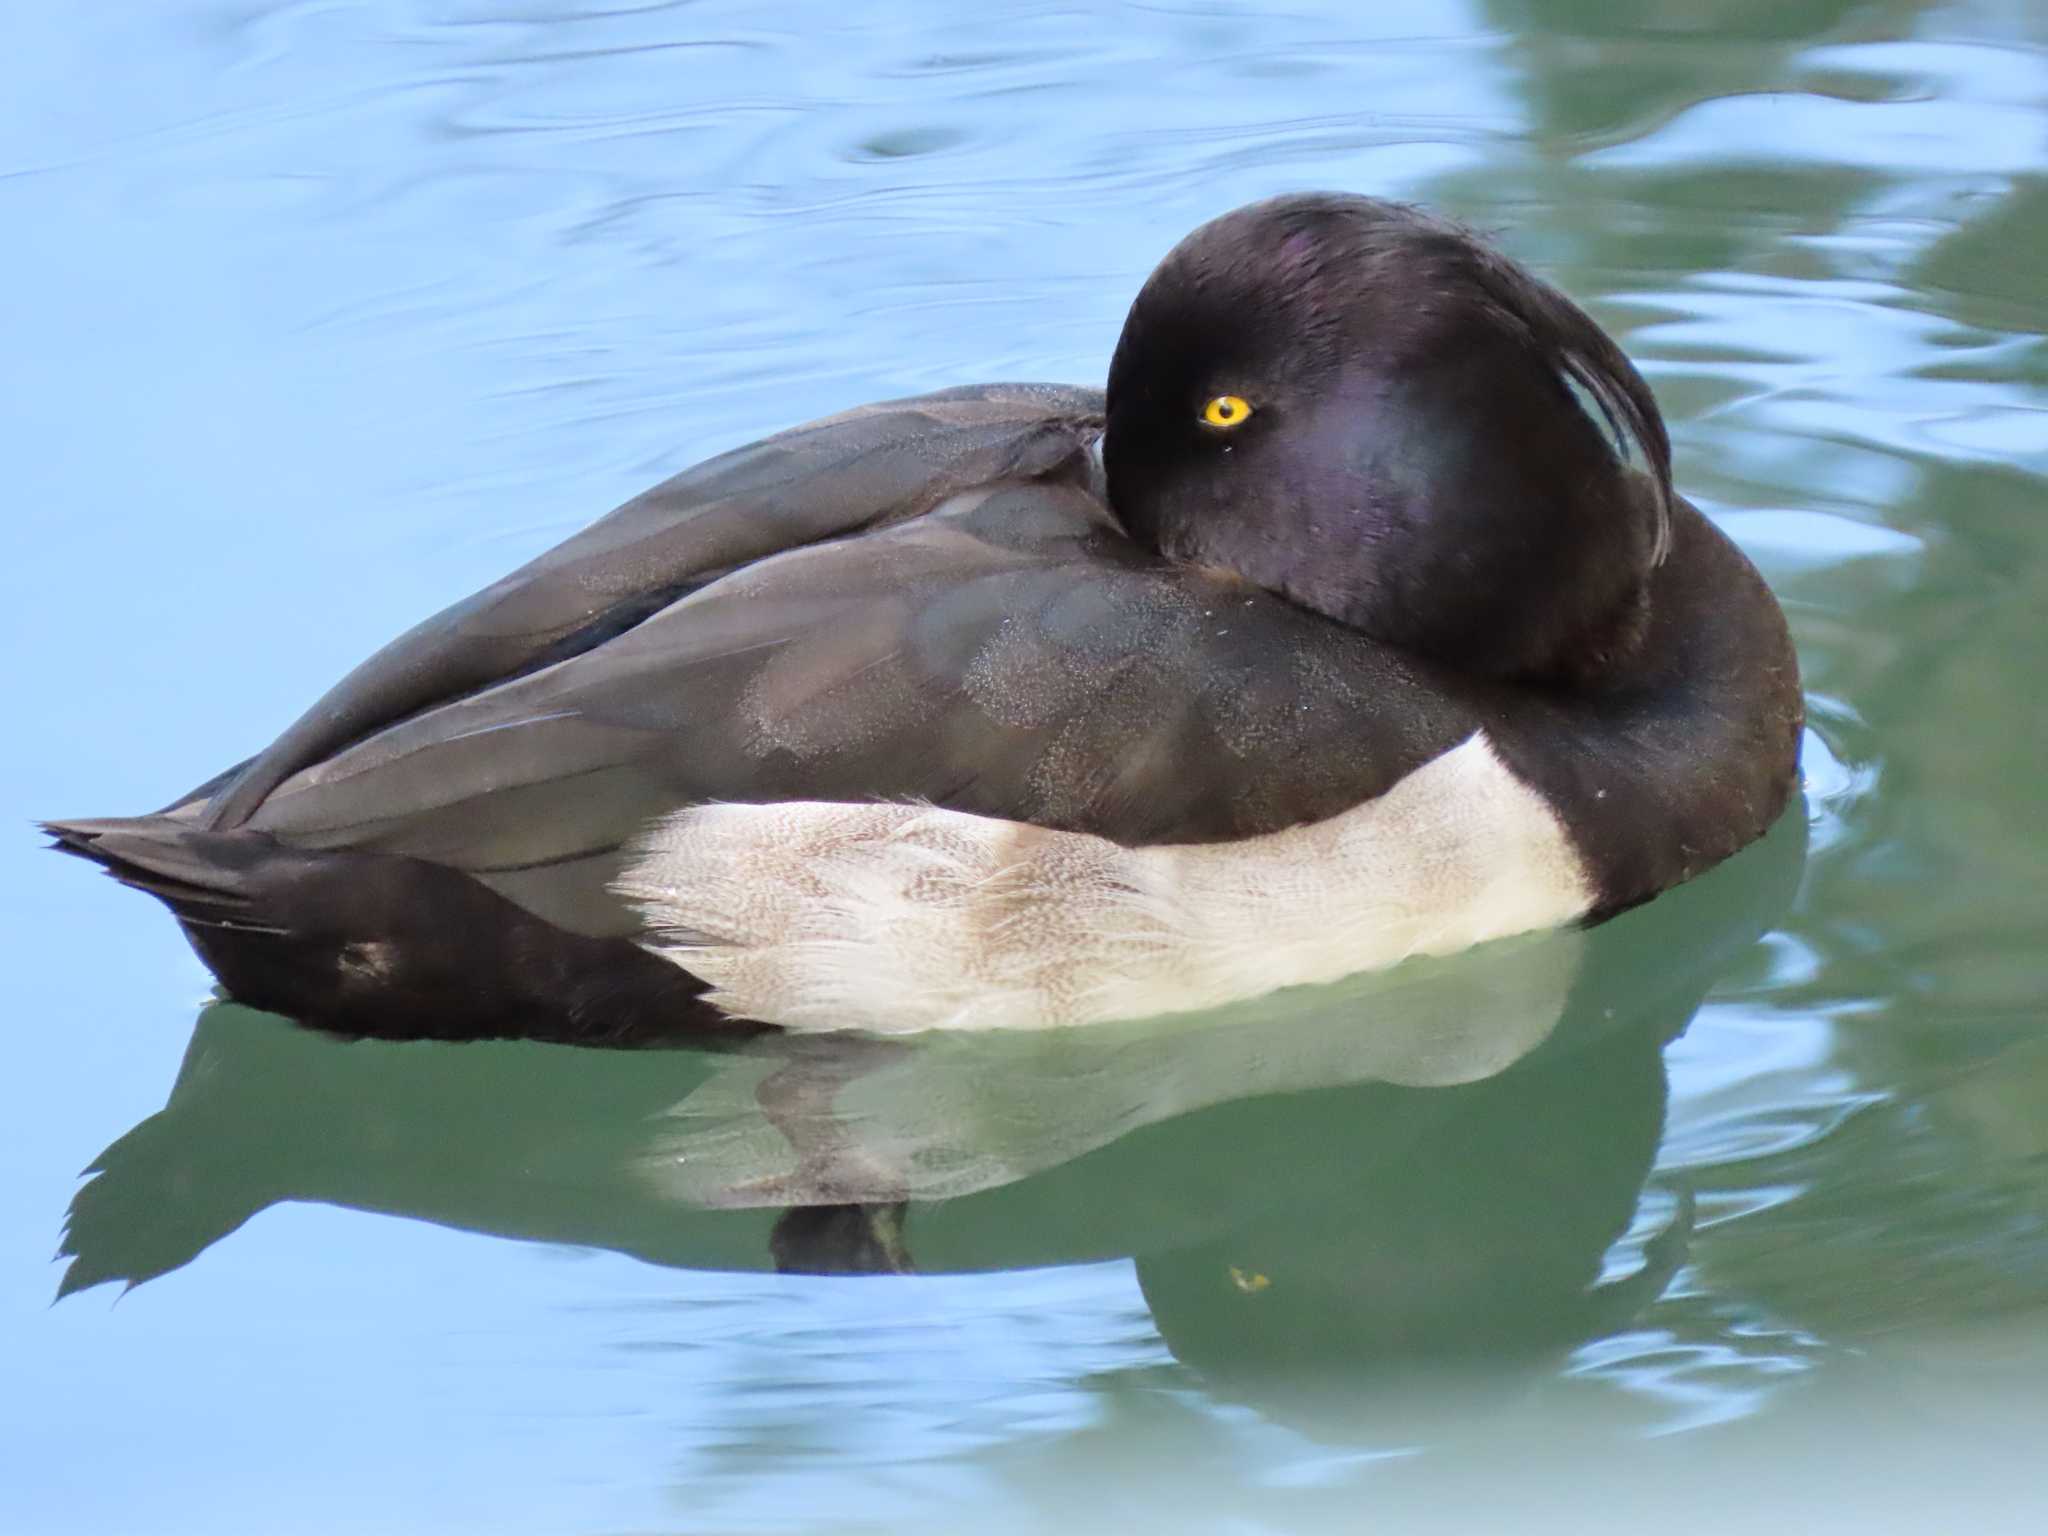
[317, 316]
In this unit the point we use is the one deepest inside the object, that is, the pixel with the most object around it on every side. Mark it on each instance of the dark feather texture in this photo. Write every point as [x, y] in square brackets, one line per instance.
[1416, 464]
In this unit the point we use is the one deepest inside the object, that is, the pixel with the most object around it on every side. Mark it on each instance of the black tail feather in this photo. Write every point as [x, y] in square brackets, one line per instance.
[200, 876]
[383, 944]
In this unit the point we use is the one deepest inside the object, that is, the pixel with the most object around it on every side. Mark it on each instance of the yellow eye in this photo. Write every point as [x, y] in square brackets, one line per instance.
[1227, 411]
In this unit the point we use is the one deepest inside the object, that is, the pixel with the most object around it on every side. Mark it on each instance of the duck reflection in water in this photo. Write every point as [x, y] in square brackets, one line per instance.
[1428, 1162]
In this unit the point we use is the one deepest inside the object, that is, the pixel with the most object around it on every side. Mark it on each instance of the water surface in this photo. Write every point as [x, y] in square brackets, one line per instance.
[319, 315]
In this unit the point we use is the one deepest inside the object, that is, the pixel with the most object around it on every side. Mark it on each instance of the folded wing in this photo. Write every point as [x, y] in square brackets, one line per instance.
[1008, 654]
[866, 468]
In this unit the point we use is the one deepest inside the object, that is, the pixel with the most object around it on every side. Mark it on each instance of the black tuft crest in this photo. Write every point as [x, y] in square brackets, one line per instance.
[1586, 355]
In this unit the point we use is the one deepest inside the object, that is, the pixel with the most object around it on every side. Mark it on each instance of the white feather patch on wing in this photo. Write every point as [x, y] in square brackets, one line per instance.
[897, 918]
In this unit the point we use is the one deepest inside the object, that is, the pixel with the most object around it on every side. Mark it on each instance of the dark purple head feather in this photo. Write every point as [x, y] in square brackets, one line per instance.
[1420, 462]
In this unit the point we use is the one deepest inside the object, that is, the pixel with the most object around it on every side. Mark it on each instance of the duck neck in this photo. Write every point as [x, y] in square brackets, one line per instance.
[1689, 748]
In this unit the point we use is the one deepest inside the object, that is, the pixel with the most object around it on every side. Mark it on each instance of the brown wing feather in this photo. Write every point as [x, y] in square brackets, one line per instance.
[862, 469]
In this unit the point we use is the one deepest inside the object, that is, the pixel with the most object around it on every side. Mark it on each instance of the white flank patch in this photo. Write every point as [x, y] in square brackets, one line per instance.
[899, 918]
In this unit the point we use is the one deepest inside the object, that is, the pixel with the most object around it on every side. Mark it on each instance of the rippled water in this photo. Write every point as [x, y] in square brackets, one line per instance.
[318, 315]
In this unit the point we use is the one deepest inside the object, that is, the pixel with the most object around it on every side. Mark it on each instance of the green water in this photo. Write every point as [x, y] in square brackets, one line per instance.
[1732, 1213]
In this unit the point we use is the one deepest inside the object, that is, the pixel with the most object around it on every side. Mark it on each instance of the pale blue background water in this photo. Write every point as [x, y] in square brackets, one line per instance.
[316, 316]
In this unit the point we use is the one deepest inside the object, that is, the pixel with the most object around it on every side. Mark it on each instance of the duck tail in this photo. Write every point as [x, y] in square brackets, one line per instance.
[386, 944]
[206, 878]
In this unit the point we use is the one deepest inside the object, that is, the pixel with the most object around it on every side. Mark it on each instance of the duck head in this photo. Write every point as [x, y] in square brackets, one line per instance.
[1364, 409]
